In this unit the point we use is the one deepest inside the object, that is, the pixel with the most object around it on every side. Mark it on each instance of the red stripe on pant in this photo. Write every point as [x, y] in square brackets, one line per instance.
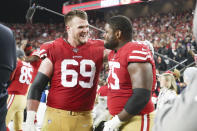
[148, 122]
[142, 122]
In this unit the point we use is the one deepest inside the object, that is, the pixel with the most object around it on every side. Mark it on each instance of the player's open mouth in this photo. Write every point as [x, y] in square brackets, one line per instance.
[83, 36]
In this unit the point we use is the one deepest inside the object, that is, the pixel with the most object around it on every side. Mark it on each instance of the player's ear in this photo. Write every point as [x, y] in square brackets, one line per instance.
[118, 34]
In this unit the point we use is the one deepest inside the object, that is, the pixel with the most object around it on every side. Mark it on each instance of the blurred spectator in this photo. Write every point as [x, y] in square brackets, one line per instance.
[180, 114]
[161, 64]
[180, 85]
[168, 89]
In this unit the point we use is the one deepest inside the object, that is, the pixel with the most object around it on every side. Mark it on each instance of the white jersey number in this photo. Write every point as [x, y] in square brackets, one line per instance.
[25, 76]
[112, 66]
[73, 74]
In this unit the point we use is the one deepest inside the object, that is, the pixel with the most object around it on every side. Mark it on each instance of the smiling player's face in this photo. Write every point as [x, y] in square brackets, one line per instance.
[78, 29]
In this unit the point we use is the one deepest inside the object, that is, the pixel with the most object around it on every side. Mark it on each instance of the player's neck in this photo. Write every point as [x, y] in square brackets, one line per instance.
[72, 42]
[121, 44]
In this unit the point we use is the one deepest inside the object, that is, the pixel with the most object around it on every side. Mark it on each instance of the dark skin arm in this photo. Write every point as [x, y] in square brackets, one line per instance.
[31, 58]
[142, 77]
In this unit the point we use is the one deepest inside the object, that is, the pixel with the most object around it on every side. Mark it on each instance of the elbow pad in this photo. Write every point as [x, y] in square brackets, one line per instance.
[38, 86]
[137, 101]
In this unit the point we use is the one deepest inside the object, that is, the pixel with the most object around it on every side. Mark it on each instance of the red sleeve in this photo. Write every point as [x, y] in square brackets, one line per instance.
[36, 53]
[139, 53]
[44, 49]
[51, 53]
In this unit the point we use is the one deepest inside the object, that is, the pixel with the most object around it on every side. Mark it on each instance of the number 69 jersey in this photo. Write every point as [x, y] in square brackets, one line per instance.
[119, 82]
[75, 74]
[21, 79]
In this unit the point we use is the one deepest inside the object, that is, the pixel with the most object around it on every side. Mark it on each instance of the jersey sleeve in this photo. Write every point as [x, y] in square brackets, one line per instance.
[44, 49]
[36, 53]
[51, 53]
[139, 53]
[99, 44]
[43, 53]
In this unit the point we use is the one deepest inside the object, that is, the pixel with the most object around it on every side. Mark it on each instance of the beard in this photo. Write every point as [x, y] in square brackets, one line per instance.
[111, 44]
[82, 41]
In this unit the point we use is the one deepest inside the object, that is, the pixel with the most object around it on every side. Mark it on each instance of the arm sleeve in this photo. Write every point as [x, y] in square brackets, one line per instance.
[139, 53]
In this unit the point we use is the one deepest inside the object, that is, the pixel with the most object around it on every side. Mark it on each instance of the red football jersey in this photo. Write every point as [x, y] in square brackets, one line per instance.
[44, 49]
[21, 79]
[35, 64]
[75, 76]
[119, 82]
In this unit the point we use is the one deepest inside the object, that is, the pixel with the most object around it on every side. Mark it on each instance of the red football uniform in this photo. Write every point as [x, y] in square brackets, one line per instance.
[44, 49]
[75, 76]
[35, 64]
[119, 82]
[21, 79]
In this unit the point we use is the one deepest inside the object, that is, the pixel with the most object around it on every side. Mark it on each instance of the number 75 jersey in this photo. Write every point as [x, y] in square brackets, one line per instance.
[119, 82]
[75, 74]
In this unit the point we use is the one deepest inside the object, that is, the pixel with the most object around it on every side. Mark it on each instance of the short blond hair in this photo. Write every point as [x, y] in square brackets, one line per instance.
[75, 13]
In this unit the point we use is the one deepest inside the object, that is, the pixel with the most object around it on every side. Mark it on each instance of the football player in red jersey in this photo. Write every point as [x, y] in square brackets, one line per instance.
[72, 65]
[131, 78]
[17, 90]
[33, 57]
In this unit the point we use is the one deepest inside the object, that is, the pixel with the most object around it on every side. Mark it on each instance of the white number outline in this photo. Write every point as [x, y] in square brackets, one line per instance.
[112, 66]
[25, 76]
[74, 74]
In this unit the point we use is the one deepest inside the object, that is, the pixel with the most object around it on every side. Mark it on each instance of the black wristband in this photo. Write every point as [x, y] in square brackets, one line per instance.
[38, 86]
[137, 101]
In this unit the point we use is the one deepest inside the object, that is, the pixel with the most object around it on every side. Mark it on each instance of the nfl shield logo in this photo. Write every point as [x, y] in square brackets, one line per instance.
[75, 50]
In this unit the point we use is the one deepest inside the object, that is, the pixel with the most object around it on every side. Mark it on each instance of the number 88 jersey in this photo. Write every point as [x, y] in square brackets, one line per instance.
[75, 74]
[119, 82]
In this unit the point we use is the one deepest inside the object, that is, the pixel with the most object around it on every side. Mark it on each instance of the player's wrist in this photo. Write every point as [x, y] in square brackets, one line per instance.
[31, 115]
[117, 120]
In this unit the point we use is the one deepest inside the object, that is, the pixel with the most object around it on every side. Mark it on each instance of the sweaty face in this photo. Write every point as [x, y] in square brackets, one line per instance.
[78, 30]
[109, 38]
